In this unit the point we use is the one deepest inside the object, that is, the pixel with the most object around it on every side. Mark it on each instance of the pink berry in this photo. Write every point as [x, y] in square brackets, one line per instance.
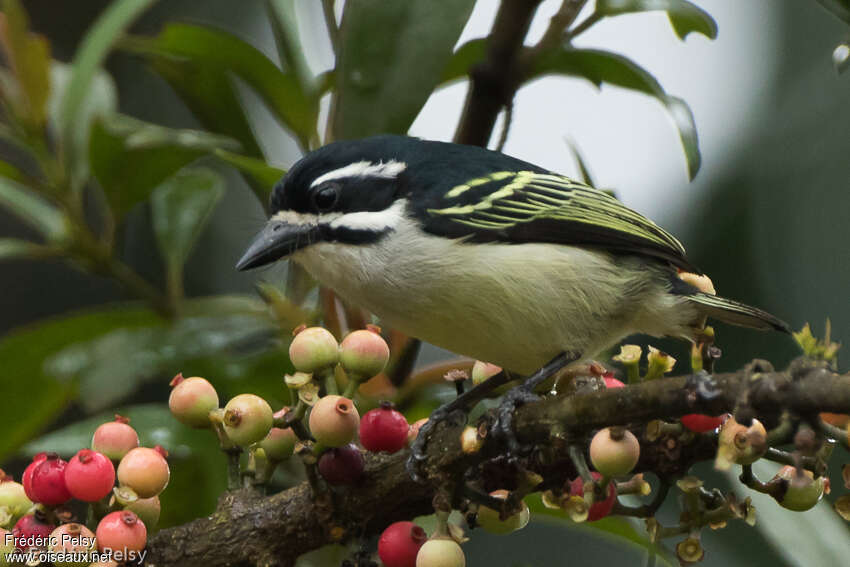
[341, 465]
[31, 533]
[400, 543]
[384, 429]
[700, 423]
[48, 481]
[599, 509]
[26, 478]
[279, 443]
[72, 538]
[364, 353]
[192, 400]
[115, 438]
[89, 475]
[121, 531]
[334, 421]
[145, 471]
[611, 382]
[313, 349]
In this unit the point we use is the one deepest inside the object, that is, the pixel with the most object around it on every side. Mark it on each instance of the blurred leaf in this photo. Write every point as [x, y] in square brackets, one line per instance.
[601, 67]
[815, 537]
[265, 176]
[285, 27]
[130, 158]
[391, 56]
[197, 464]
[210, 327]
[26, 377]
[28, 55]
[33, 210]
[685, 17]
[101, 99]
[333, 554]
[838, 8]
[93, 50]
[180, 209]
[224, 51]
[11, 248]
[9, 171]
[463, 59]
[624, 530]
[582, 166]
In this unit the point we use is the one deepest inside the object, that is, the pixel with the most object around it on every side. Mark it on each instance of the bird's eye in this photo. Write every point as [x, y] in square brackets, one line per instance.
[325, 197]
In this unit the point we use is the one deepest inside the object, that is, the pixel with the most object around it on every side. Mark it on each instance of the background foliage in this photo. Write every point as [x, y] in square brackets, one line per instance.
[135, 171]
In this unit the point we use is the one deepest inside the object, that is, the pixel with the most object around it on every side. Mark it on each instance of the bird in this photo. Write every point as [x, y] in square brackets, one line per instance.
[485, 255]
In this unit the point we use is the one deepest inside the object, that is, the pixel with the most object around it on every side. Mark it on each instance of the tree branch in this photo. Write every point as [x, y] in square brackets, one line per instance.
[248, 529]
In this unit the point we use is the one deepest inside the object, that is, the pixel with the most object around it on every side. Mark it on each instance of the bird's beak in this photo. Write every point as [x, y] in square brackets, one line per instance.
[277, 240]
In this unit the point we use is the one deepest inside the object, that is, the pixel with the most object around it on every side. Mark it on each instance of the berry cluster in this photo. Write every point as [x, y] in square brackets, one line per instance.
[41, 509]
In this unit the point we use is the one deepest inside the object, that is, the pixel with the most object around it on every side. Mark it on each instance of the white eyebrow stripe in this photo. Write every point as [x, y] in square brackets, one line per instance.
[372, 220]
[364, 168]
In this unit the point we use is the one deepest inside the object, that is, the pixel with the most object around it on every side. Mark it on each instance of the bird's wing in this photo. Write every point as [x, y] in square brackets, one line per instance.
[528, 206]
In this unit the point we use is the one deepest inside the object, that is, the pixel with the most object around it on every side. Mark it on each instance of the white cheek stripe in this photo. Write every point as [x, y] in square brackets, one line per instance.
[382, 170]
[389, 218]
[292, 217]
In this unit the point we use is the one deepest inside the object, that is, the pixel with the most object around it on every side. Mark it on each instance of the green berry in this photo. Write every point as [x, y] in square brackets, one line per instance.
[614, 451]
[313, 349]
[14, 499]
[802, 492]
[279, 443]
[147, 509]
[364, 353]
[489, 519]
[192, 400]
[247, 419]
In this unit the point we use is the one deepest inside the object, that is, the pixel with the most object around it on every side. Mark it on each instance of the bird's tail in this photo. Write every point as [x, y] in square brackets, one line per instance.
[736, 313]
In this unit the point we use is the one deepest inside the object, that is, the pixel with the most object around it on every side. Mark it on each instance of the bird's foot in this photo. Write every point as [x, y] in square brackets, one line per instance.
[503, 428]
[418, 450]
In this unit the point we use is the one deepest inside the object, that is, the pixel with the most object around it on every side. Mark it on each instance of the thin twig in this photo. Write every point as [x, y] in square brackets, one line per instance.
[328, 8]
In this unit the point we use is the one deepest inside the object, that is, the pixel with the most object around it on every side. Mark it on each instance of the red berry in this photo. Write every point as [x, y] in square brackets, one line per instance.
[700, 423]
[89, 475]
[121, 531]
[26, 478]
[611, 382]
[144, 470]
[384, 429]
[115, 438]
[341, 465]
[48, 481]
[599, 509]
[400, 543]
[30, 532]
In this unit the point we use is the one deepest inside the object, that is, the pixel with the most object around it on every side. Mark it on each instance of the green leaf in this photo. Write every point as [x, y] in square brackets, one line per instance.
[33, 210]
[180, 209]
[95, 46]
[265, 176]
[25, 377]
[29, 57]
[284, 24]
[216, 327]
[462, 60]
[12, 248]
[685, 17]
[9, 171]
[225, 52]
[582, 166]
[815, 537]
[600, 67]
[392, 55]
[130, 158]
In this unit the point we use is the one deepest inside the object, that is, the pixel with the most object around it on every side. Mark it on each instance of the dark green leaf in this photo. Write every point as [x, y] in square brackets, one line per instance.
[392, 55]
[212, 327]
[605, 67]
[223, 51]
[95, 46]
[130, 158]
[685, 17]
[33, 210]
[9, 171]
[28, 55]
[463, 59]
[180, 208]
[197, 464]
[26, 377]
[264, 175]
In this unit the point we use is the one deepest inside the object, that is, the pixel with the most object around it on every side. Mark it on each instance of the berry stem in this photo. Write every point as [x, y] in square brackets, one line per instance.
[234, 477]
[580, 463]
[329, 378]
[351, 387]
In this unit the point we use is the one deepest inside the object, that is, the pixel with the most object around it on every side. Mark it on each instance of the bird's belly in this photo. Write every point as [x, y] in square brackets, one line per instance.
[513, 305]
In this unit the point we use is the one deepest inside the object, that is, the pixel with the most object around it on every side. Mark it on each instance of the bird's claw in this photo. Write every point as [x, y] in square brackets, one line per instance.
[418, 453]
[503, 427]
